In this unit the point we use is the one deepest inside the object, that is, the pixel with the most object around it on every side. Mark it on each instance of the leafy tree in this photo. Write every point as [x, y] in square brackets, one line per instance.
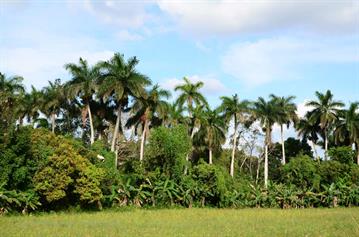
[301, 171]
[190, 95]
[83, 84]
[309, 130]
[267, 113]
[10, 90]
[212, 132]
[234, 110]
[344, 155]
[167, 149]
[67, 173]
[287, 110]
[53, 98]
[146, 110]
[325, 111]
[348, 126]
[121, 80]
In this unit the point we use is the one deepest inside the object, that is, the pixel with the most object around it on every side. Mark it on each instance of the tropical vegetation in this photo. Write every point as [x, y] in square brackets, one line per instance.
[108, 137]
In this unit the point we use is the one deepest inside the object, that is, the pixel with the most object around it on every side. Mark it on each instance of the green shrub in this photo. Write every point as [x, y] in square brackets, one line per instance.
[343, 154]
[167, 150]
[302, 172]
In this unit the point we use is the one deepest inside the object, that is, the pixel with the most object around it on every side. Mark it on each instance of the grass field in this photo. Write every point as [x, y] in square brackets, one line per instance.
[188, 222]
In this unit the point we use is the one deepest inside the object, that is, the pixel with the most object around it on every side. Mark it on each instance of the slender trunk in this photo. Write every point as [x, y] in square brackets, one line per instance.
[357, 149]
[210, 156]
[53, 122]
[233, 151]
[92, 136]
[326, 145]
[258, 167]
[143, 137]
[117, 126]
[283, 148]
[266, 166]
[116, 157]
[315, 151]
[187, 156]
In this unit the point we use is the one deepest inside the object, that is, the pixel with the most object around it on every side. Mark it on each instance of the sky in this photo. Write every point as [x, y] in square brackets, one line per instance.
[252, 48]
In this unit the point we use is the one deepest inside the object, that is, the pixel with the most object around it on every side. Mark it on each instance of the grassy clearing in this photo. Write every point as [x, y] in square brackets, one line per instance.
[188, 222]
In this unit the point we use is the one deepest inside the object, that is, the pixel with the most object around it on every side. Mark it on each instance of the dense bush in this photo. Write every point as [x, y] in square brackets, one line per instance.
[167, 150]
[40, 170]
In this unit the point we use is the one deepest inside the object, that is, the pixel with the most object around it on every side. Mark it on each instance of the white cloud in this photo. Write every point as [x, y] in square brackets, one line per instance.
[212, 86]
[38, 66]
[124, 13]
[45, 54]
[266, 60]
[125, 35]
[231, 17]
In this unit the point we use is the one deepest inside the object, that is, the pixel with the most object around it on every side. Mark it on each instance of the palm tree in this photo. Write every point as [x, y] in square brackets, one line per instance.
[53, 97]
[190, 95]
[29, 105]
[348, 127]
[234, 110]
[174, 116]
[121, 80]
[287, 110]
[267, 113]
[11, 90]
[309, 131]
[325, 111]
[148, 109]
[83, 85]
[212, 131]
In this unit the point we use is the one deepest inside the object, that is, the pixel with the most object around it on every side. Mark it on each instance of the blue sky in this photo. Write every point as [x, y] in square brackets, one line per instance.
[252, 48]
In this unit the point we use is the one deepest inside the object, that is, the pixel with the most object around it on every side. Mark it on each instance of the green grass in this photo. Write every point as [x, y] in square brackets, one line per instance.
[188, 222]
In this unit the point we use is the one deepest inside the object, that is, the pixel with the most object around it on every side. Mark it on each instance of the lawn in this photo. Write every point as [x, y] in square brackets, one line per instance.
[188, 222]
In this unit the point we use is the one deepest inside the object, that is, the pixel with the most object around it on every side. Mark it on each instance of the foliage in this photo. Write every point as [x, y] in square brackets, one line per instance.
[167, 150]
[344, 155]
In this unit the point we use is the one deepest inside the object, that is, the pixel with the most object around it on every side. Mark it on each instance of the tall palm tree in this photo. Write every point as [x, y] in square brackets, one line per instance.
[83, 85]
[309, 131]
[174, 116]
[234, 110]
[29, 105]
[212, 131]
[287, 110]
[348, 127]
[190, 95]
[325, 110]
[53, 98]
[147, 109]
[266, 112]
[11, 88]
[121, 80]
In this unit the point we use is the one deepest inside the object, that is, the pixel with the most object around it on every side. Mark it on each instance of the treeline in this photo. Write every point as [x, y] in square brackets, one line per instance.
[108, 137]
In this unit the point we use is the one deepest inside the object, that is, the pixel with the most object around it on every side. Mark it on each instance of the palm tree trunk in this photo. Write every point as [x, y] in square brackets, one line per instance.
[210, 156]
[53, 122]
[117, 126]
[326, 145]
[187, 157]
[233, 151]
[266, 166]
[357, 149]
[92, 135]
[116, 157]
[143, 137]
[315, 151]
[283, 148]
